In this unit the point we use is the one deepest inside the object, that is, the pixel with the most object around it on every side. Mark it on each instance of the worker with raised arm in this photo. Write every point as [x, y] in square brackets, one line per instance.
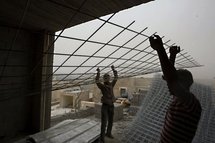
[183, 114]
[108, 99]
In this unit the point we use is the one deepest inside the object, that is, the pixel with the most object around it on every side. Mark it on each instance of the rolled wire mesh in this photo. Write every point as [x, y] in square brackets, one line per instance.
[148, 123]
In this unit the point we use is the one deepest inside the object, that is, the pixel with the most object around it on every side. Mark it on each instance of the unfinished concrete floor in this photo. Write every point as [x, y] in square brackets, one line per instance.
[118, 128]
[115, 140]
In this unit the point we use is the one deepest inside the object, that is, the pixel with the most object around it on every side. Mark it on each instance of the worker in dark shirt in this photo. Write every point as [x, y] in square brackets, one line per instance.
[183, 114]
[108, 99]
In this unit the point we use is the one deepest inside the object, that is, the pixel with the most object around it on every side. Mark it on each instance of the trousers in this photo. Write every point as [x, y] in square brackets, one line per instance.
[107, 113]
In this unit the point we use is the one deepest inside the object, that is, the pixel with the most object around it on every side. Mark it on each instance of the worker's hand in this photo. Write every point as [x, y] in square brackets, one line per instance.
[113, 68]
[156, 42]
[114, 71]
[98, 70]
[174, 50]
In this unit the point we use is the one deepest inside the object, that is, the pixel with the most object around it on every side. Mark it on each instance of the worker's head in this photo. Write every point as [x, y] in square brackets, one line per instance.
[106, 77]
[185, 78]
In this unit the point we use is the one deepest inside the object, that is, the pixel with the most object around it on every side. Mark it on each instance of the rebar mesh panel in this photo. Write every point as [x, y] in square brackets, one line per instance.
[80, 50]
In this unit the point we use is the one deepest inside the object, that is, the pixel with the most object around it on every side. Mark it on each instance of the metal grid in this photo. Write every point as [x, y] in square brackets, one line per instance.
[132, 57]
[148, 123]
[122, 46]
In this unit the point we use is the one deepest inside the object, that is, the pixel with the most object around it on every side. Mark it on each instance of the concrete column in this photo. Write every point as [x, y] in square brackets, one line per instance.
[47, 85]
[42, 80]
[25, 100]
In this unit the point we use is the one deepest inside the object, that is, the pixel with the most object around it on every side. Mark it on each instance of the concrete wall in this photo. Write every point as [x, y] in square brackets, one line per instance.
[73, 99]
[22, 95]
[72, 115]
[56, 95]
[66, 101]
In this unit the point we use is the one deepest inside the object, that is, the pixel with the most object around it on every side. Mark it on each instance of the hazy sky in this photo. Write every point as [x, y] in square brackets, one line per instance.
[188, 23]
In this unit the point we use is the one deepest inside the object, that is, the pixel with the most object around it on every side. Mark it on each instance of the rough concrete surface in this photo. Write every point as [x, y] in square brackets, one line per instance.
[118, 128]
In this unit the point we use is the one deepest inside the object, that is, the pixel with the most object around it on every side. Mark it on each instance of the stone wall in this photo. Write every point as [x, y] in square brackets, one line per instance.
[80, 114]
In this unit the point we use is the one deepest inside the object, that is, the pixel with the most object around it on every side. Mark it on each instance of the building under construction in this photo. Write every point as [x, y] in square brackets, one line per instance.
[28, 54]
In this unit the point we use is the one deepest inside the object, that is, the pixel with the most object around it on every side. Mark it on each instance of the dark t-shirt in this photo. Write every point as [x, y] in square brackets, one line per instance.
[107, 89]
[107, 92]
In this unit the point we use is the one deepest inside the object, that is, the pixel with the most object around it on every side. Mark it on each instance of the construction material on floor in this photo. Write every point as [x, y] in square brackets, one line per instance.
[74, 131]
[147, 125]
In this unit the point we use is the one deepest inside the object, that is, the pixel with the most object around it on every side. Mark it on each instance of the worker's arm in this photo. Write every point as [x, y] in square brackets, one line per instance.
[167, 67]
[173, 50]
[115, 75]
[98, 83]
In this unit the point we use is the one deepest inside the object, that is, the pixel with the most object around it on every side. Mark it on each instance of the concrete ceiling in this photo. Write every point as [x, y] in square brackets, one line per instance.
[53, 15]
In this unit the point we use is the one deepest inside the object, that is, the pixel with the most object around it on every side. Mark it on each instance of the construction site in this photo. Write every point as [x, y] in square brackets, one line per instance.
[48, 92]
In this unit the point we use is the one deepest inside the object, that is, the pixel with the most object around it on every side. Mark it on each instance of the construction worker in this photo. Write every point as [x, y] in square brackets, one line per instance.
[108, 99]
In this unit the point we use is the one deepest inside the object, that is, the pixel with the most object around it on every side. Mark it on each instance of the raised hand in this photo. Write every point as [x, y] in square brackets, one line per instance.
[112, 67]
[114, 72]
[174, 50]
[156, 42]
[98, 70]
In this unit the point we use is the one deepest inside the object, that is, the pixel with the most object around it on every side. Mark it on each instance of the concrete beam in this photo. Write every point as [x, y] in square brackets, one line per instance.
[53, 15]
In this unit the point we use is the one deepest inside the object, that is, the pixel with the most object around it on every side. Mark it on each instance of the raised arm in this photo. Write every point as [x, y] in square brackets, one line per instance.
[167, 67]
[98, 83]
[115, 75]
[173, 50]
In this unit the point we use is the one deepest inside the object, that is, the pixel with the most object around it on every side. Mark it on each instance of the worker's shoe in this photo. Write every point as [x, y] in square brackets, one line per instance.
[101, 140]
[109, 136]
